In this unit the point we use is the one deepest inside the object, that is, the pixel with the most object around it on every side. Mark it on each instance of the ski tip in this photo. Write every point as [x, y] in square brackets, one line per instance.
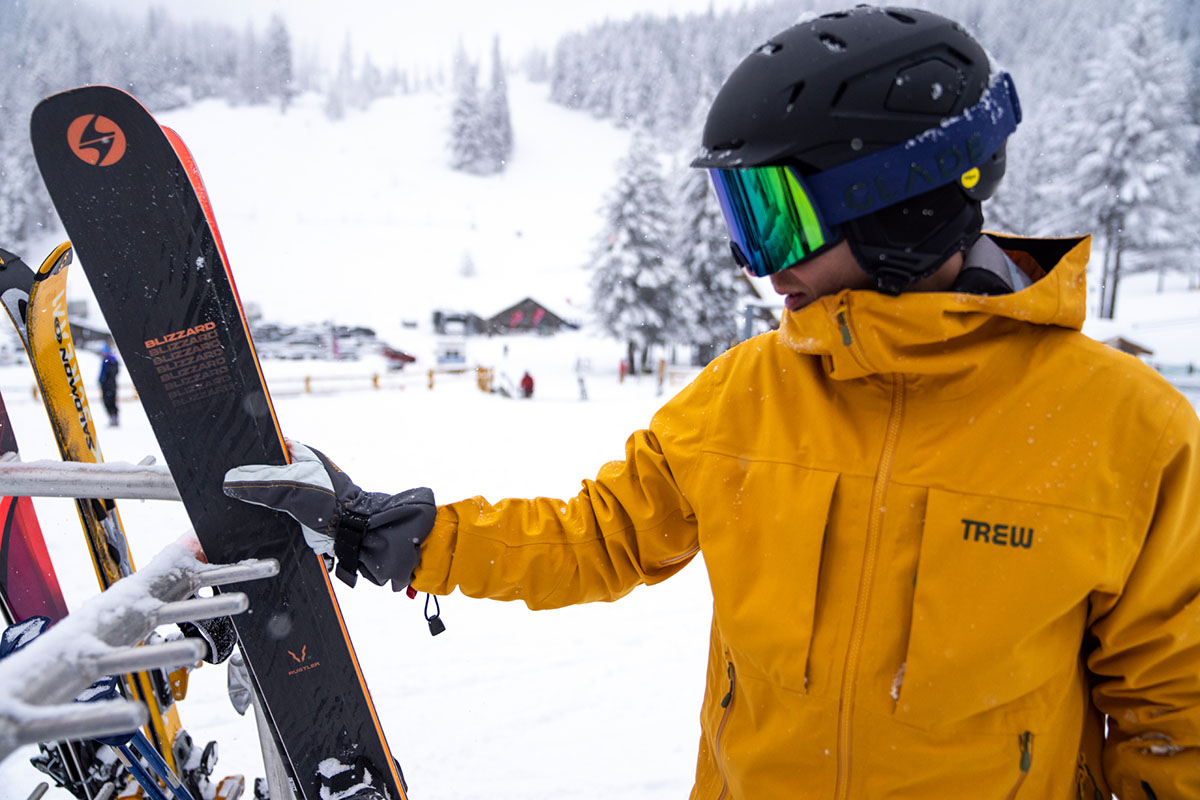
[7, 258]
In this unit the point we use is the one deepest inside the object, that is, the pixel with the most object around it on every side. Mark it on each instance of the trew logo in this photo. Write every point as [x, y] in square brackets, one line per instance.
[300, 659]
[997, 533]
[96, 140]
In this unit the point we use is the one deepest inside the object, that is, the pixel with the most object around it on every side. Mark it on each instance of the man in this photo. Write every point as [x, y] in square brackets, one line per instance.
[952, 542]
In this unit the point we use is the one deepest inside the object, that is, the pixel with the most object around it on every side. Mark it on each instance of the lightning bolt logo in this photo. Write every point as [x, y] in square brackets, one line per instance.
[96, 140]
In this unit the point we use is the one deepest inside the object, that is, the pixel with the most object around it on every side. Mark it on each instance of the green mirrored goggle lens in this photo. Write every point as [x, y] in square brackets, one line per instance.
[773, 223]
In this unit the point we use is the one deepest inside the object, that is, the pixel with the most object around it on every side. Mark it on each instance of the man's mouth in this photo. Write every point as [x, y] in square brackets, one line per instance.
[795, 301]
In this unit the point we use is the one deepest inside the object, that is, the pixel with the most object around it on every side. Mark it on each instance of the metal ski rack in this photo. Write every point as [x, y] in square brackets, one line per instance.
[111, 480]
[39, 682]
[242, 695]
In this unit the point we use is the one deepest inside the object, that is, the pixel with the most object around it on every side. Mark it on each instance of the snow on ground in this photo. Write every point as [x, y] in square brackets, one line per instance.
[1166, 322]
[589, 702]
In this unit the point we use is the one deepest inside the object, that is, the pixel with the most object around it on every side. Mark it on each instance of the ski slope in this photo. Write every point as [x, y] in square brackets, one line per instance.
[360, 222]
[588, 702]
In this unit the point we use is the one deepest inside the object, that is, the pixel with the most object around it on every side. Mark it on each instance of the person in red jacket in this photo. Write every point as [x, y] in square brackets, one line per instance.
[527, 385]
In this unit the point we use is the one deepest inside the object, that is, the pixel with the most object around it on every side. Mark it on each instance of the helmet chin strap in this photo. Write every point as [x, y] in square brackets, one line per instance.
[901, 244]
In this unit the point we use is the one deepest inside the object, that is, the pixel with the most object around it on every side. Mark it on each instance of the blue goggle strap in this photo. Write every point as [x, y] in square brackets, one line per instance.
[935, 158]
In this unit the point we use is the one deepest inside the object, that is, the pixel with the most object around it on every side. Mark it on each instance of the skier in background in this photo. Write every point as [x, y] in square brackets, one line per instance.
[109, 368]
[941, 565]
[527, 385]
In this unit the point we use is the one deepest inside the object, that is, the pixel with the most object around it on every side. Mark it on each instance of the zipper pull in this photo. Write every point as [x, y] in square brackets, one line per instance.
[1026, 751]
[729, 695]
[847, 339]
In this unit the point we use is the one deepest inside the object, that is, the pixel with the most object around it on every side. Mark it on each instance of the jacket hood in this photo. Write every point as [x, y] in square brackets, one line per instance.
[863, 332]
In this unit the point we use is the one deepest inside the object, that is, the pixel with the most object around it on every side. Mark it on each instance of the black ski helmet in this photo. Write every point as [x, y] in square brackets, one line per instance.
[841, 86]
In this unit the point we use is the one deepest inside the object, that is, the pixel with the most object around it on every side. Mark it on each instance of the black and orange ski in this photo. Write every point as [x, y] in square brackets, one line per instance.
[136, 211]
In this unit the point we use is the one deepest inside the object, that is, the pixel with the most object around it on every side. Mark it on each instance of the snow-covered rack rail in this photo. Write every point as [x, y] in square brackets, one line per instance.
[110, 480]
[39, 682]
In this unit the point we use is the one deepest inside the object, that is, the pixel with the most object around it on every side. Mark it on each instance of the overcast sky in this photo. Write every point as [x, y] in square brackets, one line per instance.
[411, 33]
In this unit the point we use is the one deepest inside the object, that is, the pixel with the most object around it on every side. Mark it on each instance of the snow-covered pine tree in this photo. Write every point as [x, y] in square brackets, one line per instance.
[632, 289]
[468, 145]
[277, 63]
[497, 121]
[467, 268]
[1132, 134]
[536, 65]
[14, 205]
[1185, 19]
[371, 83]
[341, 95]
[164, 62]
[250, 69]
[1025, 204]
[711, 286]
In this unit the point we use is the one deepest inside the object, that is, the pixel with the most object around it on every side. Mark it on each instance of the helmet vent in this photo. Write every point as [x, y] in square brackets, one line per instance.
[832, 43]
[795, 93]
[726, 147]
[959, 55]
[905, 18]
[837, 97]
[835, 15]
[769, 49]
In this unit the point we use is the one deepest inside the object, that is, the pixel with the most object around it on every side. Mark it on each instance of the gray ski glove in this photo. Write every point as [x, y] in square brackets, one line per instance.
[373, 534]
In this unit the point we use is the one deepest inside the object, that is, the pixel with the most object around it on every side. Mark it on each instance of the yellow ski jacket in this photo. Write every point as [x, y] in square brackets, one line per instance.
[945, 534]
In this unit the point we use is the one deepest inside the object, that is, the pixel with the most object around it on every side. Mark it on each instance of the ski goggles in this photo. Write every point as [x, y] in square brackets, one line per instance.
[778, 217]
[773, 219]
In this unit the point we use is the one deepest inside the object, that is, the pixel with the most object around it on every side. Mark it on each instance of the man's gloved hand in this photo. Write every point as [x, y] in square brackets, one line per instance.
[373, 534]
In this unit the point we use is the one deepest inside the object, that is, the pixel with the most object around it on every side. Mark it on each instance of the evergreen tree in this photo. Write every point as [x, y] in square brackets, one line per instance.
[1025, 203]
[250, 70]
[712, 287]
[632, 290]
[277, 63]
[163, 62]
[13, 212]
[537, 66]
[371, 84]
[467, 268]
[1133, 136]
[468, 146]
[497, 122]
[341, 94]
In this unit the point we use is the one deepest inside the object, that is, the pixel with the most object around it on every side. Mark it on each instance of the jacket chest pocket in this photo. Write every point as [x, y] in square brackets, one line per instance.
[999, 609]
[762, 537]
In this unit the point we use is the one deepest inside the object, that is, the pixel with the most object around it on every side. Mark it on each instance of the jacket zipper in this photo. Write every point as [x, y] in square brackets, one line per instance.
[1026, 741]
[870, 555]
[848, 339]
[727, 704]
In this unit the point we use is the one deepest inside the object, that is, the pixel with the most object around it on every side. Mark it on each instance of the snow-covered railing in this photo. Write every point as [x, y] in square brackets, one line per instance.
[39, 682]
[111, 480]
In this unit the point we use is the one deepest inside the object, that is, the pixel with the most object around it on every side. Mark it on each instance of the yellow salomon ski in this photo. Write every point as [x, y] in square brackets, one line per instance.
[39, 312]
